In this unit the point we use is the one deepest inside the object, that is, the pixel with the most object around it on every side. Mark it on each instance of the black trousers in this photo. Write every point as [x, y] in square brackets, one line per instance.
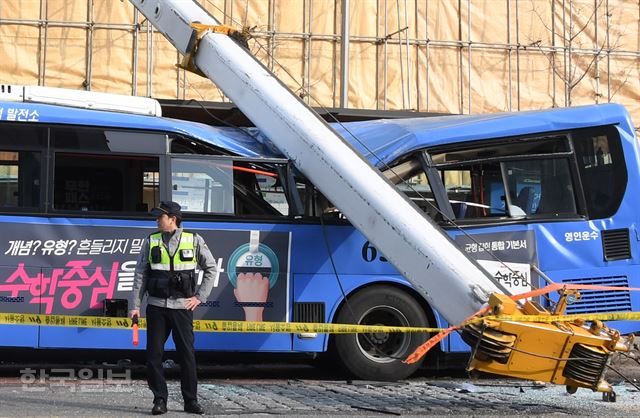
[160, 323]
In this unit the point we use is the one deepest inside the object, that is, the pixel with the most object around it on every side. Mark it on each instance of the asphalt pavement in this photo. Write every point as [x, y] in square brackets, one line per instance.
[295, 390]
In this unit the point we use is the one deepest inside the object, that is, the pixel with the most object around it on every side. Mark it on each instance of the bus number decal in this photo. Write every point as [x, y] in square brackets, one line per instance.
[370, 253]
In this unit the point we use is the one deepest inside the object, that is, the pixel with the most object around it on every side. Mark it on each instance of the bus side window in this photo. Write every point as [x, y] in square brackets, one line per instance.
[224, 186]
[515, 177]
[19, 179]
[535, 187]
[476, 191]
[318, 205]
[258, 189]
[271, 188]
[203, 185]
[602, 170]
[458, 186]
[184, 145]
[105, 170]
[21, 148]
[313, 203]
[105, 183]
[541, 187]
[305, 191]
[411, 179]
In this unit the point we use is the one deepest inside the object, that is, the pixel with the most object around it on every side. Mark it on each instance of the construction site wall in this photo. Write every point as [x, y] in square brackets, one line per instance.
[452, 56]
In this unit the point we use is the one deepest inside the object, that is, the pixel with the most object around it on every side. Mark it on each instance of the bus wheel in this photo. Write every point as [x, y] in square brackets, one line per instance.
[378, 356]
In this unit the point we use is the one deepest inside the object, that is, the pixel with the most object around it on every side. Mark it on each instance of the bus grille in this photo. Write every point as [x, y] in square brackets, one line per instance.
[312, 312]
[615, 244]
[601, 300]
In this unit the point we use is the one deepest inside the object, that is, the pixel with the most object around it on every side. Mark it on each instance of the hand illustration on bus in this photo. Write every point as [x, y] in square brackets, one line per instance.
[252, 288]
[253, 270]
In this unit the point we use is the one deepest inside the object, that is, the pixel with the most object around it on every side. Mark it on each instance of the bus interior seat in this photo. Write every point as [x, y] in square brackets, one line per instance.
[524, 200]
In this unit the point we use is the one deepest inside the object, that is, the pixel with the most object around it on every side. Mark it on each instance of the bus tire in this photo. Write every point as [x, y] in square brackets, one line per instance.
[378, 356]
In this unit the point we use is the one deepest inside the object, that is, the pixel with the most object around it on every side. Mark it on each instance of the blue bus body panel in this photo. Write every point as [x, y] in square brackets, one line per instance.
[63, 337]
[19, 336]
[94, 338]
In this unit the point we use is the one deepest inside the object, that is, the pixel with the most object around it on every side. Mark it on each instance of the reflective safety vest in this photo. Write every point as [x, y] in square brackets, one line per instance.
[183, 259]
[172, 275]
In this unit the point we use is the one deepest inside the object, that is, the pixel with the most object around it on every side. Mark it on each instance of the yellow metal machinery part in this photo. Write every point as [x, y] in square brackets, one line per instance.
[240, 36]
[565, 353]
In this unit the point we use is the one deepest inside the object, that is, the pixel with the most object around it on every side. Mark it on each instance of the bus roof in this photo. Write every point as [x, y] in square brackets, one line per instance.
[235, 140]
[383, 141]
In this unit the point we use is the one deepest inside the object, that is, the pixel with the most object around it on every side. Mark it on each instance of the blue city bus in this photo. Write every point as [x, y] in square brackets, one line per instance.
[553, 189]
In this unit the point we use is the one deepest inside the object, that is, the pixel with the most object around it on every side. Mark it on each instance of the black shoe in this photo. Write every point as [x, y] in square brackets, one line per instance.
[193, 408]
[159, 407]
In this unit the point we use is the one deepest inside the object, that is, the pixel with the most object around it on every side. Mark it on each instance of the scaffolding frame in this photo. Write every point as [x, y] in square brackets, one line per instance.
[398, 47]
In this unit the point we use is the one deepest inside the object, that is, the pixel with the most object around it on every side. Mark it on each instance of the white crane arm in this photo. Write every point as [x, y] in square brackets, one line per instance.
[452, 283]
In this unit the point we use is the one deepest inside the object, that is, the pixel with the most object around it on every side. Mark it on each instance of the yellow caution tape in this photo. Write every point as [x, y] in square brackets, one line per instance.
[287, 327]
[68, 321]
[605, 316]
[203, 325]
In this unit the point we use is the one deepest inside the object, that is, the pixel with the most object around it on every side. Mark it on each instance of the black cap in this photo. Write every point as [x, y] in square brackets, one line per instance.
[168, 207]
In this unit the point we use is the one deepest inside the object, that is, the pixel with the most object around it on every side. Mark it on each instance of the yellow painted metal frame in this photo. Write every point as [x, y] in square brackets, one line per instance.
[540, 351]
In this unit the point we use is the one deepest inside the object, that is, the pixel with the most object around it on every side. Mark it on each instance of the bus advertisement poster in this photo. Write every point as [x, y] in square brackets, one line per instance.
[73, 269]
[507, 256]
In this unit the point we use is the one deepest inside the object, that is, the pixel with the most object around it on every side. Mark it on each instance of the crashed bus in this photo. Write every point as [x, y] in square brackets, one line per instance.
[549, 189]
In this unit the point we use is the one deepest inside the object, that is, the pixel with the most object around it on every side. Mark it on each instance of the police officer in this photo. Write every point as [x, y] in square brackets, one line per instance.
[166, 272]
